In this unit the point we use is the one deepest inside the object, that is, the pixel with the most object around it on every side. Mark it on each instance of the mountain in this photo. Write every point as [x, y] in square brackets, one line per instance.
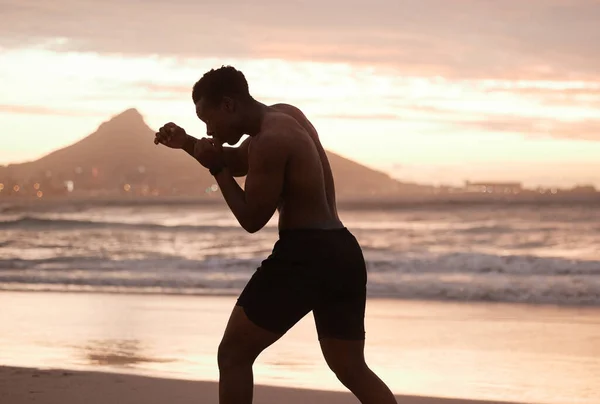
[121, 152]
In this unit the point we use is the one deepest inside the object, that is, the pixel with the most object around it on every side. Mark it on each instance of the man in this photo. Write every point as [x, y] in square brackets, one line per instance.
[316, 264]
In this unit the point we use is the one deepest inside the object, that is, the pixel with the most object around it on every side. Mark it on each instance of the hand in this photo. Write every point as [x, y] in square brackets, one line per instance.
[209, 153]
[171, 136]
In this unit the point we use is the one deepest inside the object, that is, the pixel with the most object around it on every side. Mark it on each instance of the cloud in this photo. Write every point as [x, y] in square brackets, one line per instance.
[552, 39]
[490, 107]
[372, 117]
[588, 129]
[568, 94]
[41, 110]
[592, 89]
[165, 88]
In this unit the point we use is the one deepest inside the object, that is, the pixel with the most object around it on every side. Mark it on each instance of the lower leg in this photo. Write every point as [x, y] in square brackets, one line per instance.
[367, 386]
[346, 359]
[242, 343]
[236, 383]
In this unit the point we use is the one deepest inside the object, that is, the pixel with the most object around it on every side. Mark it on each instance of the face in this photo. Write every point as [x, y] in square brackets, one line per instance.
[222, 120]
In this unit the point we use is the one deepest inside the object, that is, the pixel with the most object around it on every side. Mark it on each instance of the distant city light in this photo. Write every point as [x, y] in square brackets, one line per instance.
[1, 186]
[36, 185]
[39, 194]
[16, 188]
[214, 187]
[70, 186]
[127, 187]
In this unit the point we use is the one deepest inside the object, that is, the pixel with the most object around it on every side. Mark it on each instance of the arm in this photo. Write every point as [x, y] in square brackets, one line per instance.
[254, 206]
[236, 158]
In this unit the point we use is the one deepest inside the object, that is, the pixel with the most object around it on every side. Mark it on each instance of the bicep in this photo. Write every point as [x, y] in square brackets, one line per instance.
[236, 158]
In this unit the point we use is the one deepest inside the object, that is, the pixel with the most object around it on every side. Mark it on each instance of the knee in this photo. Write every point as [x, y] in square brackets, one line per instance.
[349, 372]
[231, 355]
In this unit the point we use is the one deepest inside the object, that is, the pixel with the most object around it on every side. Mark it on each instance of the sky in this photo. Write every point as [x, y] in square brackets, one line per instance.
[429, 91]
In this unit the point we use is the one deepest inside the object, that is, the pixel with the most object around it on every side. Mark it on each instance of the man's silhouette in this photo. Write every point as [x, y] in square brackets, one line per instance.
[316, 265]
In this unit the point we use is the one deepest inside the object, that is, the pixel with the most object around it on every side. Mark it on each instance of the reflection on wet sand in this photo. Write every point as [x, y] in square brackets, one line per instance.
[117, 352]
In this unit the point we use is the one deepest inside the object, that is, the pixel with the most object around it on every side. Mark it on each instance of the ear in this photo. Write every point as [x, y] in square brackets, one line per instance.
[228, 104]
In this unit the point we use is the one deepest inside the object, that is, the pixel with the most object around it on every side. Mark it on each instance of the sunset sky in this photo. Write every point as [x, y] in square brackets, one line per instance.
[434, 91]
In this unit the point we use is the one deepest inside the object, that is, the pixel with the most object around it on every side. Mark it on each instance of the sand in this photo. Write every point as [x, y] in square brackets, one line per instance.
[25, 385]
[514, 353]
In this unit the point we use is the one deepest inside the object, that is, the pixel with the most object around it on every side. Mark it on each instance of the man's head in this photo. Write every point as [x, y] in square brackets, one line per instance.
[221, 97]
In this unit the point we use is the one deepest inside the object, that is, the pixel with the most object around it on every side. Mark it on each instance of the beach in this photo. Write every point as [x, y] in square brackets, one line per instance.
[18, 386]
[472, 351]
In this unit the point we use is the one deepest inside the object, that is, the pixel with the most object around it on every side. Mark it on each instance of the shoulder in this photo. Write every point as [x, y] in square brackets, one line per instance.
[283, 118]
[268, 145]
[288, 109]
[269, 140]
[280, 125]
[278, 134]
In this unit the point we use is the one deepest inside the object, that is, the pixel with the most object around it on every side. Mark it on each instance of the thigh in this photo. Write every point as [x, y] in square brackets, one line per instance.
[278, 295]
[340, 313]
[341, 316]
[245, 337]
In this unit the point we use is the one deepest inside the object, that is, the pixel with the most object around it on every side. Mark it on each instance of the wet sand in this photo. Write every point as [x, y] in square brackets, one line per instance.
[470, 351]
[22, 385]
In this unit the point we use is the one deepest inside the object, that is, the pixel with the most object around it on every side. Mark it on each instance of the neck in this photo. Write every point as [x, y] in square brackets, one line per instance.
[254, 118]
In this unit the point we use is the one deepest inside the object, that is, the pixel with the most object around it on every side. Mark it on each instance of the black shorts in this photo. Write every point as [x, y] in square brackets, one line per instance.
[309, 269]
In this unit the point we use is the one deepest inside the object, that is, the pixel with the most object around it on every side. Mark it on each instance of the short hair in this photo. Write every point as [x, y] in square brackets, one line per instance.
[225, 81]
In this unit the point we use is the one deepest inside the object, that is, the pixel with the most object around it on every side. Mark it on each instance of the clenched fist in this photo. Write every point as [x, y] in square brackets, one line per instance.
[171, 136]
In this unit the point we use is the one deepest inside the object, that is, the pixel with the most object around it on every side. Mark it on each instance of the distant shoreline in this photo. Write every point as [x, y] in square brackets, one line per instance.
[416, 201]
[370, 297]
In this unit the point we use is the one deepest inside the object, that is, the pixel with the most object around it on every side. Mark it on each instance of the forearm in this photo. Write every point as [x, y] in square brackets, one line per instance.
[235, 198]
[189, 146]
[231, 156]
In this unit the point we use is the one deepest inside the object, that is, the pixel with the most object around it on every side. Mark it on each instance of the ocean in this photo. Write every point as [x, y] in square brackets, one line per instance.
[493, 302]
[527, 253]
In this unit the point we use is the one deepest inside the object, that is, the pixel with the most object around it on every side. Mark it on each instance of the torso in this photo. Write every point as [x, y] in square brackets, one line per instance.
[308, 197]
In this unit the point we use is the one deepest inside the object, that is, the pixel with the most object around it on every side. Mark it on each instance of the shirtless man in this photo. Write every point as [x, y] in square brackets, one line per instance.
[316, 265]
